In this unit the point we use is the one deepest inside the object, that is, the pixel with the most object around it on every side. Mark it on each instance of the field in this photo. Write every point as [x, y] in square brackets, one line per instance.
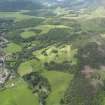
[59, 83]
[18, 16]
[18, 95]
[61, 54]
[27, 34]
[12, 48]
[25, 68]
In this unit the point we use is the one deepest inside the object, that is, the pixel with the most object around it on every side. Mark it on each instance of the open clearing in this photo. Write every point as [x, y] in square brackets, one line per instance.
[27, 34]
[12, 48]
[25, 68]
[59, 83]
[18, 95]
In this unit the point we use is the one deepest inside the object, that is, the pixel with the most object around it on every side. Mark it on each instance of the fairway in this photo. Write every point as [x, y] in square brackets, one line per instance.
[18, 16]
[59, 83]
[12, 48]
[27, 34]
[18, 95]
[25, 68]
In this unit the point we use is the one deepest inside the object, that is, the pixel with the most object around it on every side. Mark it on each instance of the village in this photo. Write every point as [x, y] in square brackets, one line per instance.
[4, 73]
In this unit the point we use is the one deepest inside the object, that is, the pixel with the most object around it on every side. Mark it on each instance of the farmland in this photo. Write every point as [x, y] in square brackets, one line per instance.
[54, 55]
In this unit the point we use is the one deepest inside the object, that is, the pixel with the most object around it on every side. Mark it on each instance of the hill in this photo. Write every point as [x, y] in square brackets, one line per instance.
[15, 5]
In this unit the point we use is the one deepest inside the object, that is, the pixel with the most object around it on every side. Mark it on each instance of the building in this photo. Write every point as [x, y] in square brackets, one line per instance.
[1, 64]
[3, 42]
[4, 73]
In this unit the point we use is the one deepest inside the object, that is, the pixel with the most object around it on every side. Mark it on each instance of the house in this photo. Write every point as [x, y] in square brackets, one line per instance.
[1, 61]
[1, 64]
[3, 42]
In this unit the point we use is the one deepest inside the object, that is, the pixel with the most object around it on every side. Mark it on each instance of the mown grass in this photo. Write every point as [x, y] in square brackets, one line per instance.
[25, 68]
[27, 34]
[46, 28]
[16, 15]
[18, 95]
[59, 82]
[29, 66]
[12, 48]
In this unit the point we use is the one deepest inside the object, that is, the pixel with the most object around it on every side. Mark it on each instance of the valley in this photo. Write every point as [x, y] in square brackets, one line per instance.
[54, 55]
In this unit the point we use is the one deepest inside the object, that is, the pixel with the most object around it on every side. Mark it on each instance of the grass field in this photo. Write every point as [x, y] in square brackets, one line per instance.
[63, 53]
[27, 34]
[30, 66]
[25, 68]
[16, 15]
[12, 48]
[59, 82]
[46, 28]
[18, 95]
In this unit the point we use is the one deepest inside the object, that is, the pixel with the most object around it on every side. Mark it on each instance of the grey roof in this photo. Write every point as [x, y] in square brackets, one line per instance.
[1, 60]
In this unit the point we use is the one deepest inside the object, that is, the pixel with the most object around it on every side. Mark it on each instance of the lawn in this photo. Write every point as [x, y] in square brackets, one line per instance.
[18, 95]
[25, 68]
[27, 34]
[46, 28]
[29, 66]
[59, 82]
[18, 16]
[12, 48]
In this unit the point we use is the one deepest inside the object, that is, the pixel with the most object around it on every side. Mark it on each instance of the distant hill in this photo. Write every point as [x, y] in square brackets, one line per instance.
[76, 4]
[14, 5]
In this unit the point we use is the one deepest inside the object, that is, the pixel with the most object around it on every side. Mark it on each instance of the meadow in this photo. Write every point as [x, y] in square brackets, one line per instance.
[15, 95]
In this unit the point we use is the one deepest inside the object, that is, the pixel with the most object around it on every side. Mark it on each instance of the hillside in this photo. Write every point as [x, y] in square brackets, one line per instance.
[15, 5]
[76, 4]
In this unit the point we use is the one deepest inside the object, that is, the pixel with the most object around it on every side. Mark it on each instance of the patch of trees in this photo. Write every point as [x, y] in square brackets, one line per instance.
[39, 85]
[55, 35]
[92, 54]
[94, 25]
[81, 92]
[36, 30]
[41, 13]
[14, 35]
[63, 67]
[6, 23]
[28, 23]
[17, 58]
[13, 62]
